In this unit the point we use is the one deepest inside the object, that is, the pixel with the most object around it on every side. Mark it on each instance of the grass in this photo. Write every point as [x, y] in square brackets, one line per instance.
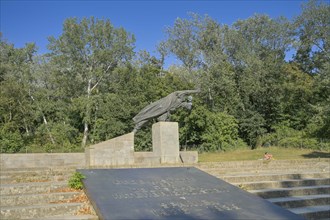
[277, 152]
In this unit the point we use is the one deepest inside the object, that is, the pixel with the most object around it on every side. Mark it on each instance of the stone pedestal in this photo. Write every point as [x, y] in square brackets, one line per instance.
[165, 141]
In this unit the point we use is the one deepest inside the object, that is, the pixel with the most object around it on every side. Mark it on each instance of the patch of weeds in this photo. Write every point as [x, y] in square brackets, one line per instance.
[75, 181]
[243, 187]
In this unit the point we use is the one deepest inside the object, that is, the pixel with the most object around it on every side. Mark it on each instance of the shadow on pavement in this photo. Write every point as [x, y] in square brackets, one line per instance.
[317, 154]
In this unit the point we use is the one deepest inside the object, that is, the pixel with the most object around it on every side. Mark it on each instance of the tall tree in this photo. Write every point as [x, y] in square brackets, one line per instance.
[313, 32]
[256, 47]
[87, 52]
[17, 111]
[313, 57]
[182, 41]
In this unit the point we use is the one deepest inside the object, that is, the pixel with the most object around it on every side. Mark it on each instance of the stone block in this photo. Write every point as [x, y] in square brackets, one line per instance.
[189, 157]
[165, 141]
[113, 152]
[146, 158]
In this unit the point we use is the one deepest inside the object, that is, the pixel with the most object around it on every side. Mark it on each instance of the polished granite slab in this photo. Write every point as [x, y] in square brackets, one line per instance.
[173, 193]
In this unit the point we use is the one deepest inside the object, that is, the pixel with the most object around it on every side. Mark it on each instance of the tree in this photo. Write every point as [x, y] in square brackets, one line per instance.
[256, 48]
[17, 110]
[182, 41]
[313, 49]
[297, 96]
[313, 32]
[86, 53]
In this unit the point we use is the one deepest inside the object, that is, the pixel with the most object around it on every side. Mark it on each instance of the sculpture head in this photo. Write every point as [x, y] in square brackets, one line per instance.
[188, 103]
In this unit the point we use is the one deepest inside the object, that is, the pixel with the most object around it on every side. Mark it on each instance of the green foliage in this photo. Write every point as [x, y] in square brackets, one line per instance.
[285, 136]
[10, 142]
[211, 131]
[221, 133]
[143, 139]
[313, 27]
[90, 85]
[75, 181]
[251, 127]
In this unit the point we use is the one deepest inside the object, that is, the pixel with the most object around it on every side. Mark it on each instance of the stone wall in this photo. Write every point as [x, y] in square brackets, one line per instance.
[9, 161]
[115, 152]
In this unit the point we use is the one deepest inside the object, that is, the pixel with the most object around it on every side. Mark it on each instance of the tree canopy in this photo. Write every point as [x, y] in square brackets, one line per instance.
[90, 85]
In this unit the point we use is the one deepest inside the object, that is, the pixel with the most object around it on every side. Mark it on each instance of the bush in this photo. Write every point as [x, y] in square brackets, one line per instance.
[252, 127]
[285, 136]
[75, 181]
[221, 131]
[10, 142]
[211, 131]
[299, 142]
[143, 140]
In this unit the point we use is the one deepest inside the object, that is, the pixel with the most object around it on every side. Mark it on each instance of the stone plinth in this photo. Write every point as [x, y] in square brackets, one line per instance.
[165, 141]
[114, 152]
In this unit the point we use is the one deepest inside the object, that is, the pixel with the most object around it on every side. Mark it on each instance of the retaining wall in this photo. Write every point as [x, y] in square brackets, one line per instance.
[9, 161]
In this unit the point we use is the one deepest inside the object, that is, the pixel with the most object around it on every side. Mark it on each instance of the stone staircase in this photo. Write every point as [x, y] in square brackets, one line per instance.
[301, 186]
[42, 193]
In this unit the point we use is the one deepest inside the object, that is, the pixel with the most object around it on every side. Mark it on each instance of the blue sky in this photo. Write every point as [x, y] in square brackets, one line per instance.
[33, 21]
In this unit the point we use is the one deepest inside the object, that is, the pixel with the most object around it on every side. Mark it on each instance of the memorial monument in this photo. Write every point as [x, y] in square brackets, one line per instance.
[119, 151]
[165, 193]
[162, 108]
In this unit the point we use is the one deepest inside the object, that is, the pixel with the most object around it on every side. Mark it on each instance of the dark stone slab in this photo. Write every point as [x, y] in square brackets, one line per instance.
[173, 193]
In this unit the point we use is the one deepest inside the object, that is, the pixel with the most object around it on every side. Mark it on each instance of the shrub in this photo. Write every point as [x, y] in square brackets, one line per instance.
[285, 136]
[211, 131]
[221, 131]
[10, 142]
[75, 181]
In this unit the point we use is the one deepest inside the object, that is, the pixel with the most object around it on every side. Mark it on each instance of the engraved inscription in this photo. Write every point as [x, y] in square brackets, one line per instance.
[163, 188]
[152, 182]
[186, 207]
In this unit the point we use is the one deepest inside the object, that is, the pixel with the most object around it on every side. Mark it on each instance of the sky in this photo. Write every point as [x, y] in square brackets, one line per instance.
[27, 21]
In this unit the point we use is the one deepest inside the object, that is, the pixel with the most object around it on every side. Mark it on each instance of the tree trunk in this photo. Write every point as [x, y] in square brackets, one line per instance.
[49, 133]
[45, 121]
[86, 129]
[26, 127]
[84, 140]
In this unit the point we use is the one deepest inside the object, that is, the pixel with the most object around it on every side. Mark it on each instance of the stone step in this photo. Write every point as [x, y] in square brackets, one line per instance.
[301, 201]
[69, 217]
[272, 177]
[295, 191]
[262, 172]
[35, 199]
[283, 184]
[271, 164]
[39, 211]
[36, 172]
[38, 169]
[28, 188]
[313, 212]
[265, 170]
[267, 165]
[31, 179]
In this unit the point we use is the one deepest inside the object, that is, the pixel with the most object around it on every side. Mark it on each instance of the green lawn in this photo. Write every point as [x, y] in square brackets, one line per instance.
[278, 154]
